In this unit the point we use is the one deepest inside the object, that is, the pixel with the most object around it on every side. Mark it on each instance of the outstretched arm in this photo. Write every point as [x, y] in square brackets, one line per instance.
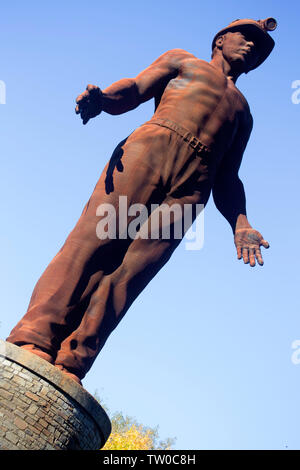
[230, 200]
[128, 93]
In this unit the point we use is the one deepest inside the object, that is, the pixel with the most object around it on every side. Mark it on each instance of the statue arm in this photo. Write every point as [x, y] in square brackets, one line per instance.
[228, 190]
[230, 200]
[128, 93]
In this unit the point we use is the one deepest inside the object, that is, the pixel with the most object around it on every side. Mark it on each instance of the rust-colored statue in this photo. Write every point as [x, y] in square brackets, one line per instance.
[192, 145]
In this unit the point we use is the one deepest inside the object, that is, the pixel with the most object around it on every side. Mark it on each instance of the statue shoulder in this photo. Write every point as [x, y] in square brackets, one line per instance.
[177, 55]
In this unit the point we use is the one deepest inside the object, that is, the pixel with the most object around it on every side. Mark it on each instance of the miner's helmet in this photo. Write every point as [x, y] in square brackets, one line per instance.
[258, 31]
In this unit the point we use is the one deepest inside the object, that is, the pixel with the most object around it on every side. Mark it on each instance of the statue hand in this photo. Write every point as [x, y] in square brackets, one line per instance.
[248, 242]
[89, 103]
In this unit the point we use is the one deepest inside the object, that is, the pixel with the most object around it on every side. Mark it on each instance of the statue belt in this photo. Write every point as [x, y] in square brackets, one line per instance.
[187, 136]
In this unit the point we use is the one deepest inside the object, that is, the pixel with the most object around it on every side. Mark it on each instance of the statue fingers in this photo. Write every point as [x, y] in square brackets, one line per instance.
[82, 97]
[85, 119]
[92, 89]
[259, 257]
[239, 252]
[264, 243]
[252, 257]
[245, 255]
[85, 116]
[80, 107]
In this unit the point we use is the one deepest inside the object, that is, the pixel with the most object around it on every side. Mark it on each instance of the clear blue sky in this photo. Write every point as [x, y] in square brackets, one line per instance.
[205, 351]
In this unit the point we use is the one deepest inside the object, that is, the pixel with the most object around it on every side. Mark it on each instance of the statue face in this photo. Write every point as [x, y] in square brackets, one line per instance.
[239, 50]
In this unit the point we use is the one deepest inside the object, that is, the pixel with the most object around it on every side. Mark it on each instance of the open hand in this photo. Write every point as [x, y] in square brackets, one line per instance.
[89, 103]
[248, 242]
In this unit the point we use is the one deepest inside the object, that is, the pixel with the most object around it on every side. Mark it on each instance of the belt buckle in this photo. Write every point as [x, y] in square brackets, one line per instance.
[194, 143]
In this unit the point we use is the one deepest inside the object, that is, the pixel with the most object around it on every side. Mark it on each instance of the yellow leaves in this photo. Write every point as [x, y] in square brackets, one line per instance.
[134, 438]
[128, 434]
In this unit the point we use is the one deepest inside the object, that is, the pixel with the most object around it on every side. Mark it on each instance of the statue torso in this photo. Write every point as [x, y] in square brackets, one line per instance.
[204, 101]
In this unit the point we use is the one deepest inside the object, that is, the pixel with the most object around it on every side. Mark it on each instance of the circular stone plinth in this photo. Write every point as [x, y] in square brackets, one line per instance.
[42, 408]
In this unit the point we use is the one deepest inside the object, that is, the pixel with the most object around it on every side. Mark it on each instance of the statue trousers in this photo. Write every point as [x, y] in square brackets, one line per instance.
[92, 281]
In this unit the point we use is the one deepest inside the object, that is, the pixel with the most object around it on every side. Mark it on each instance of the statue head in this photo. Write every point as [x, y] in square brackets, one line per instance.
[246, 42]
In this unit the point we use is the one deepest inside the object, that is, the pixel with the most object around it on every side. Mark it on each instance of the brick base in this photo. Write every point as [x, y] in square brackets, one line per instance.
[42, 408]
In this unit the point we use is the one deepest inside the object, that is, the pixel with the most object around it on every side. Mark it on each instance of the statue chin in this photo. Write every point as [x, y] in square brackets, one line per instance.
[240, 66]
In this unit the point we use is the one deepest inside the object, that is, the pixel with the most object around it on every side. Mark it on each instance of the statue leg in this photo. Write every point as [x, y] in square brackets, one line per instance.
[115, 294]
[64, 290]
[90, 284]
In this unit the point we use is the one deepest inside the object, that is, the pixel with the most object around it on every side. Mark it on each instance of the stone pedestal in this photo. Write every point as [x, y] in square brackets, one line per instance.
[42, 408]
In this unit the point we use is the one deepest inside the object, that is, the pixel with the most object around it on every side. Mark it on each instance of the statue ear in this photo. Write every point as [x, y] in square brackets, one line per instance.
[220, 41]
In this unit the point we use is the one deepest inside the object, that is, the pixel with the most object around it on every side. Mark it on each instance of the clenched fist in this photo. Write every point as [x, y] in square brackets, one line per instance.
[89, 103]
[248, 242]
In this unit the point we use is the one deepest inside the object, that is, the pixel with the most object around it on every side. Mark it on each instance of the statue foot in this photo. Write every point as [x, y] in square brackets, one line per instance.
[44, 355]
[68, 373]
[39, 352]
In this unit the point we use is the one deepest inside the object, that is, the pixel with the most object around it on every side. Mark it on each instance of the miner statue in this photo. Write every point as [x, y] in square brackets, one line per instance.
[191, 147]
